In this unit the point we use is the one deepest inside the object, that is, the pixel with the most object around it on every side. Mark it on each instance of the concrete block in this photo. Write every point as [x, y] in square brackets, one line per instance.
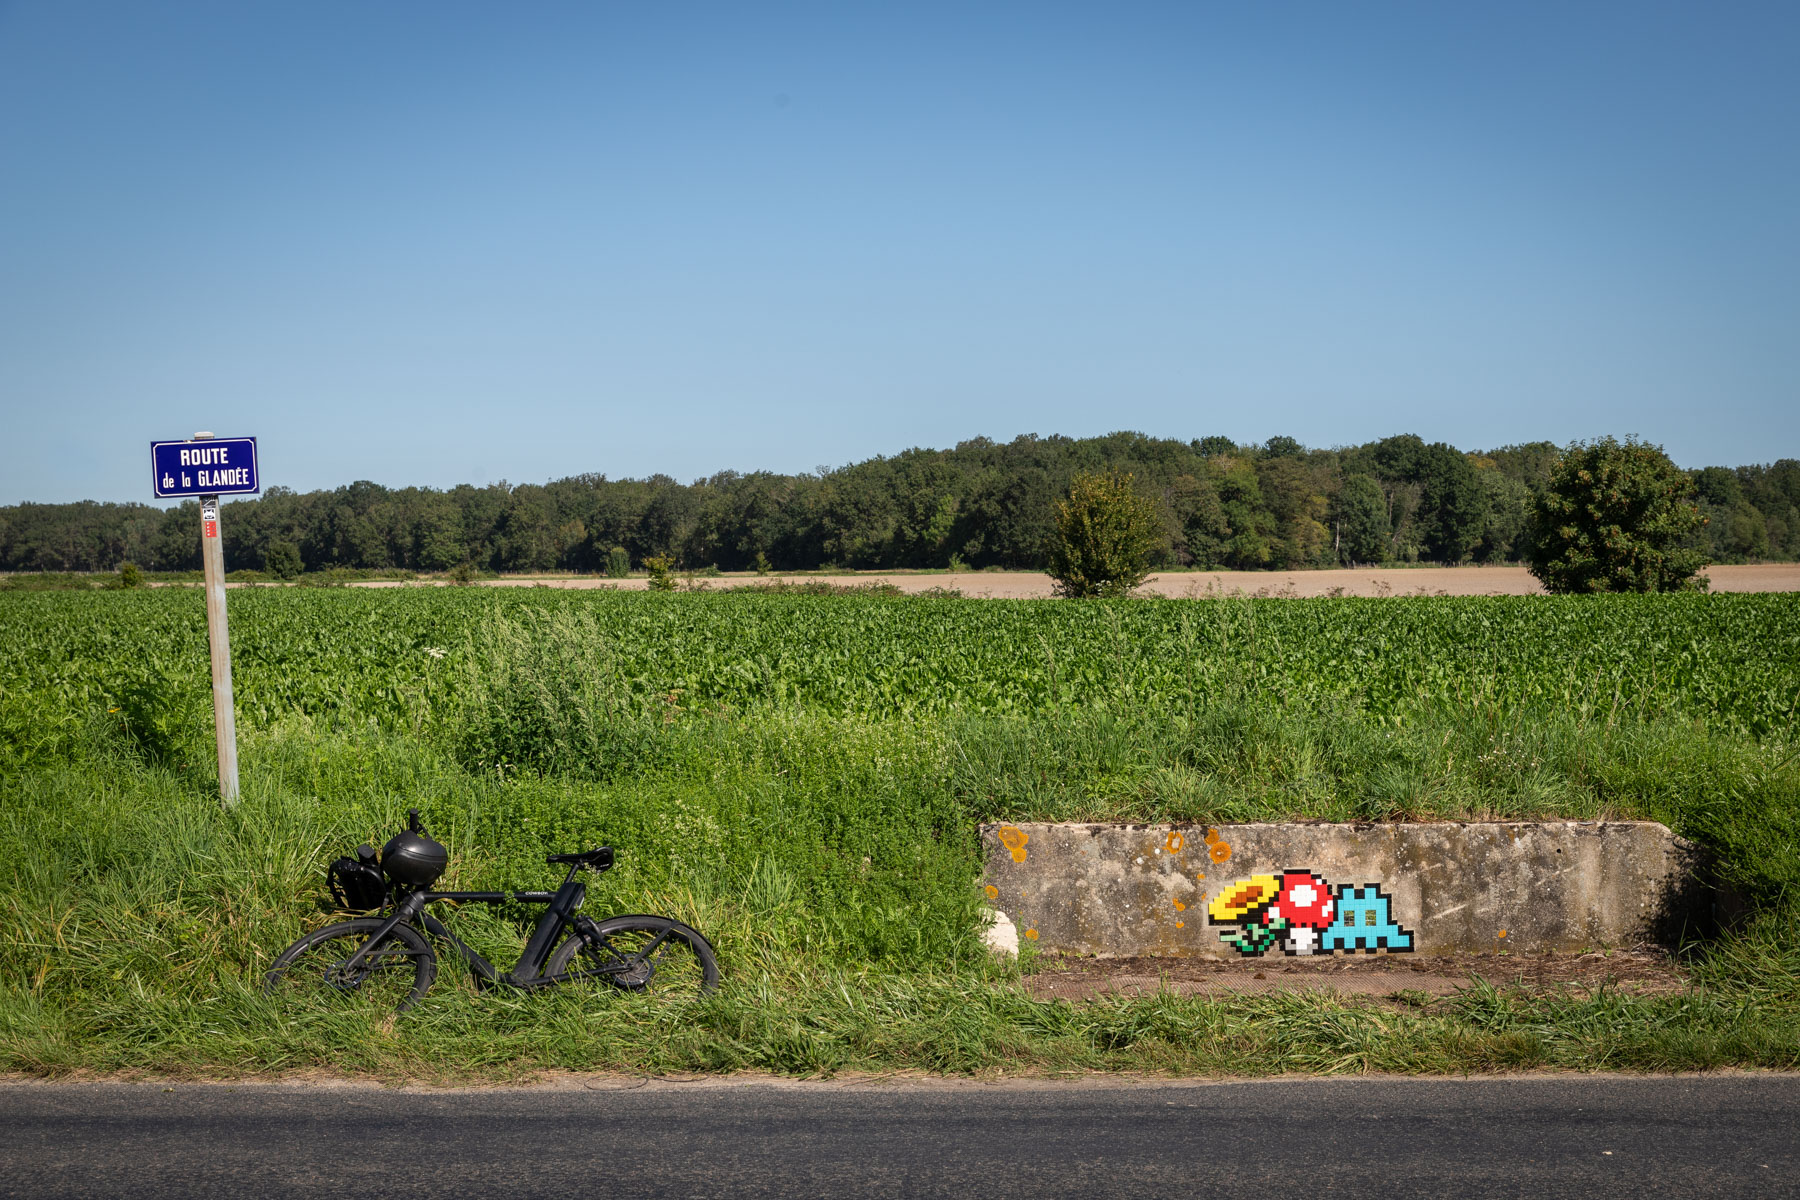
[1240, 891]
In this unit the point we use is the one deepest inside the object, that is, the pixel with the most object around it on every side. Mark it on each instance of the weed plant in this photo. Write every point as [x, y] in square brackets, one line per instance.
[801, 777]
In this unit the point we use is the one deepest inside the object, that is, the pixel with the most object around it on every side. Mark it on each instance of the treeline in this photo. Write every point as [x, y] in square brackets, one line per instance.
[984, 504]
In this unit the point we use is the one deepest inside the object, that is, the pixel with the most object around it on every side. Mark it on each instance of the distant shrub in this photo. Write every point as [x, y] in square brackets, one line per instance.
[1616, 517]
[130, 576]
[659, 566]
[320, 579]
[282, 560]
[1105, 535]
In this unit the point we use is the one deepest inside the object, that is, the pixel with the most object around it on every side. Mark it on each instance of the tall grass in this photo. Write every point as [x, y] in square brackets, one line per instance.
[828, 850]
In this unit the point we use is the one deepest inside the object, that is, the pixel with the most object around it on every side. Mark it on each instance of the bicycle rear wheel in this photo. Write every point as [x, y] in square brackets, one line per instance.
[644, 955]
[392, 975]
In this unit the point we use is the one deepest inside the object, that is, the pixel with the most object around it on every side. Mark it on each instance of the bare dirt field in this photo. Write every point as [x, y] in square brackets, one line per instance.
[1024, 585]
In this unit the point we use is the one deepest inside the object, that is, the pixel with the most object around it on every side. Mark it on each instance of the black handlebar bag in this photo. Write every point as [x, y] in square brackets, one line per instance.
[357, 884]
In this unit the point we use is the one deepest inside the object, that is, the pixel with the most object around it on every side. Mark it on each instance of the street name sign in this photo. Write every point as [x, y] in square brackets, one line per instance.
[212, 467]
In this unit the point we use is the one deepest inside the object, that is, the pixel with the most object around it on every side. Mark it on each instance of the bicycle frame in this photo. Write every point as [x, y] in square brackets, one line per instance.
[562, 913]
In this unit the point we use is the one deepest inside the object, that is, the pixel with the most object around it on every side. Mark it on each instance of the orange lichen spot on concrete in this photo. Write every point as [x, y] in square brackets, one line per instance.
[1502, 933]
[1175, 842]
[1220, 852]
[993, 893]
[1180, 907]
[1181, 924]
[1032, 934]
[1014, 839]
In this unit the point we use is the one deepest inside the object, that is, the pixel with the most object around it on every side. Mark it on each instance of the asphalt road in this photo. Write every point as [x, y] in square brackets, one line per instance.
[1590, 1137]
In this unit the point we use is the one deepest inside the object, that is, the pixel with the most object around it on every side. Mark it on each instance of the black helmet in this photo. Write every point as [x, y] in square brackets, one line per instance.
[412, 859]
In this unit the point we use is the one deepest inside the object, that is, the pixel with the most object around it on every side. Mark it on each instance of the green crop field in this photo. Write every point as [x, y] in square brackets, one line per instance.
[801, 776]
[1732, 662]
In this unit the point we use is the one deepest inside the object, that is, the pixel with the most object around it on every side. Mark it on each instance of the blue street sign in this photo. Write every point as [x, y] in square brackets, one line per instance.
[216, 466]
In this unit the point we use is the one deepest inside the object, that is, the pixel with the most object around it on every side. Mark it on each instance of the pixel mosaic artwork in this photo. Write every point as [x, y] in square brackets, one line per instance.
[1298, 913]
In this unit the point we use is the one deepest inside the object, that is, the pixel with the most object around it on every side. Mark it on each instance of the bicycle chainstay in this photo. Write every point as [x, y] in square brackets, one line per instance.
[621, 970]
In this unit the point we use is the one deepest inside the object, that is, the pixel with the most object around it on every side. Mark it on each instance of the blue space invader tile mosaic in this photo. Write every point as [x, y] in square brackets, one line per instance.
[1364, 923]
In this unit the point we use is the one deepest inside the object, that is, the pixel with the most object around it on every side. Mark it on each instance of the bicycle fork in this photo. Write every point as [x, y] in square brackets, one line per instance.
[405, 911]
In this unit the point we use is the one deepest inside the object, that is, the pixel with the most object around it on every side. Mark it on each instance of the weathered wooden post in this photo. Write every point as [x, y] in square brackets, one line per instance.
[218, 637]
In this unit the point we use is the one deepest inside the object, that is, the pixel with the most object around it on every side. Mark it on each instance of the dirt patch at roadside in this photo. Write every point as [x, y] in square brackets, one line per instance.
[1637, 972]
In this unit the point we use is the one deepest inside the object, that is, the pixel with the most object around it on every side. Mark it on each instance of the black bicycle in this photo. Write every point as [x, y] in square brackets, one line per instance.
[385, 959]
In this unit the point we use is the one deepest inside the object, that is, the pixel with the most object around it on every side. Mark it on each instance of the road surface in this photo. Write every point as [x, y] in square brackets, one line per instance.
[1588, 1137]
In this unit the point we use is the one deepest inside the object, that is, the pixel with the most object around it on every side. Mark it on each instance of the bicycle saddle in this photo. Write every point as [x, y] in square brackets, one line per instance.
[598, 859]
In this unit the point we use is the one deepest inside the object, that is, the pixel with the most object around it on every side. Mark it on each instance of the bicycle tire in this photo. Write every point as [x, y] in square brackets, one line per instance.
[682, 964]
[311, 968]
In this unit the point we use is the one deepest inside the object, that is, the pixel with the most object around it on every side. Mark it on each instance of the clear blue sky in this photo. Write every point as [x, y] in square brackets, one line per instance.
[429, 243]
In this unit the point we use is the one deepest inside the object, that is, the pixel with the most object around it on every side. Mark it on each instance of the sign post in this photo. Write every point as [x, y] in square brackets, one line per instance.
[206, 467]
[218, 636]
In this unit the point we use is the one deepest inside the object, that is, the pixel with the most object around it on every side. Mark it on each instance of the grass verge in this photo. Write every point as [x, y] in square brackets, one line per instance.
[832, 864]
[828, 851]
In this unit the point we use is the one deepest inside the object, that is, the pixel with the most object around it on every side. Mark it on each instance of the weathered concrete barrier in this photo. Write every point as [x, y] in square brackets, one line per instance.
[1233, 891]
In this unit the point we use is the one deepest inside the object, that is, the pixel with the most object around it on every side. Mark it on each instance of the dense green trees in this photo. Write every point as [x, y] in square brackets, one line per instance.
[1361, 517]
[1752, 512]
[983, 503]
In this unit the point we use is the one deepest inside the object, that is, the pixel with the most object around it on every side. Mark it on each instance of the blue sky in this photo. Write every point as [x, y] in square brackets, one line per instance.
[445, 242]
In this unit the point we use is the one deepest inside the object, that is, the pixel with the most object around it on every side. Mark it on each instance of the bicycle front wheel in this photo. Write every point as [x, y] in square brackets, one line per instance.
[644, 955]
[393, 975]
